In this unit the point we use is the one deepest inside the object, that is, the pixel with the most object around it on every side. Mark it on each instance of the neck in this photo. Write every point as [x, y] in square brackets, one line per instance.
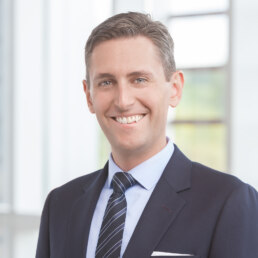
[129, 159]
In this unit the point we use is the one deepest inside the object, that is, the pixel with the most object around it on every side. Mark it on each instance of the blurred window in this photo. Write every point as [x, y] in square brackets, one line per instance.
[1, 106]
[200, 41]
[182, 7]
[4, 105]
[5, 128]
[198, 125]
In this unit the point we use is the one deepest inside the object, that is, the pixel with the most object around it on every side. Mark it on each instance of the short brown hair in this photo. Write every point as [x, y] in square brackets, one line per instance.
[134, 24]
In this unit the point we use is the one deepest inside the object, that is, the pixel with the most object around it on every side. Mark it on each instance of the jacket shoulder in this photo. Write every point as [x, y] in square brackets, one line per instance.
[75, 186]
[213, 181]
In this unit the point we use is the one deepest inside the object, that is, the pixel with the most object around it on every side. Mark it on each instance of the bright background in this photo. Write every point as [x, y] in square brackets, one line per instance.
[47, 135]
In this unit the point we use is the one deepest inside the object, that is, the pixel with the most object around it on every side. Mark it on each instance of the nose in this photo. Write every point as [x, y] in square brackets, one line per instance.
[124, 98]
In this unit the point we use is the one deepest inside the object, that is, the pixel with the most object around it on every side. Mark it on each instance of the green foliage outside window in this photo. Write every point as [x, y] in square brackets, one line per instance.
[199, 128]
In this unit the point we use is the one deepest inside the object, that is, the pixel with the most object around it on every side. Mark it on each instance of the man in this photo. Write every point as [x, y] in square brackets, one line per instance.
[159, 203]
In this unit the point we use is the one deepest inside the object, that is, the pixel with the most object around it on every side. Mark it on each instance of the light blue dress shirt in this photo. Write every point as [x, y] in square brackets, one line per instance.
[147, 174]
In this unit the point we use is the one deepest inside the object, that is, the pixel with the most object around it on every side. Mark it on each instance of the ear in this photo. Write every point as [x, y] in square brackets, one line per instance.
[177, 84]
[88, 96]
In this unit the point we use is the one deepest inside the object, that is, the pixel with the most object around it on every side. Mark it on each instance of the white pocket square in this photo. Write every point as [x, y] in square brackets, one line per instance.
[169, 254]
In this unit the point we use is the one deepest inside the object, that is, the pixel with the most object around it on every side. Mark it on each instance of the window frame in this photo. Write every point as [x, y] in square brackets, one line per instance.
[227, 67]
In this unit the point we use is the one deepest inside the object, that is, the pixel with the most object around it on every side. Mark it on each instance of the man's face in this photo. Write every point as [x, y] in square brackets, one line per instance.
[130, 95]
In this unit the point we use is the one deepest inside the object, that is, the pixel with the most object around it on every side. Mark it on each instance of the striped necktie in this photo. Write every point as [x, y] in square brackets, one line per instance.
[112, 228]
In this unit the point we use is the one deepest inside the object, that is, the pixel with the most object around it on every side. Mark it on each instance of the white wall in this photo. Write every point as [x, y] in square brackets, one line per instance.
[244, 138]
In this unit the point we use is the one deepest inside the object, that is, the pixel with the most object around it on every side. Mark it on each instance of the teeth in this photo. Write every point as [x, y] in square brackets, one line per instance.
[124, 120]
[137, 118]
[129, 119]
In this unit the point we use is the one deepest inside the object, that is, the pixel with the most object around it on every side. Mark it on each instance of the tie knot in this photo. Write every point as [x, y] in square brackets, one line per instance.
[122, 181]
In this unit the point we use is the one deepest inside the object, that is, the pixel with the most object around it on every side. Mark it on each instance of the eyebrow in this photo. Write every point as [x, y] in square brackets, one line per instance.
[103, 75]
[132, 74]
[140, 73]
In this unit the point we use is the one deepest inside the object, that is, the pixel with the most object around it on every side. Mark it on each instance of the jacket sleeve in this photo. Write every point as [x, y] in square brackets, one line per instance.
[236, 232]
[43, 246]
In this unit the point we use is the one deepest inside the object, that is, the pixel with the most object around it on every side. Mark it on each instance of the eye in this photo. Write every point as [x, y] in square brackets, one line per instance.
[140, 80]
[105, 83]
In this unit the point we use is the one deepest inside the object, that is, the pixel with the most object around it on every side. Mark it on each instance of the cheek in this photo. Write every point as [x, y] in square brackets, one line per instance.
[160, 108]
[158, 100]
[100, 102]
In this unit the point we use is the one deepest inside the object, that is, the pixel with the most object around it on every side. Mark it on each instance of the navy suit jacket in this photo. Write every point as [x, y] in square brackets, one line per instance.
[192, 210]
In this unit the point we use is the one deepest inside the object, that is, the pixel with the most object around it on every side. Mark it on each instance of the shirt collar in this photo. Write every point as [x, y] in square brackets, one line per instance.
[148, 172]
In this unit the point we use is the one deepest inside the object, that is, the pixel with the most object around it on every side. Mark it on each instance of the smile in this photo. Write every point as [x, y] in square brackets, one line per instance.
[128, 119]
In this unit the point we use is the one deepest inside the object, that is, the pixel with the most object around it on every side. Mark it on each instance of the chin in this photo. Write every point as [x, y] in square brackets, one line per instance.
[130, 146]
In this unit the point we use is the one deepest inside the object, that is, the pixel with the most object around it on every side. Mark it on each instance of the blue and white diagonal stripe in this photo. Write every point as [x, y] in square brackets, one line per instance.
[111, 232]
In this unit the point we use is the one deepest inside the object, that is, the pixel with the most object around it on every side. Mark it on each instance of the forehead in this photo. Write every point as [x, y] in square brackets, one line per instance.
[123, 54]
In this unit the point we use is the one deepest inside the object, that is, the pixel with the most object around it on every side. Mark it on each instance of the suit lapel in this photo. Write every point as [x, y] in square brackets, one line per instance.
[81, 216]
[162, 208]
